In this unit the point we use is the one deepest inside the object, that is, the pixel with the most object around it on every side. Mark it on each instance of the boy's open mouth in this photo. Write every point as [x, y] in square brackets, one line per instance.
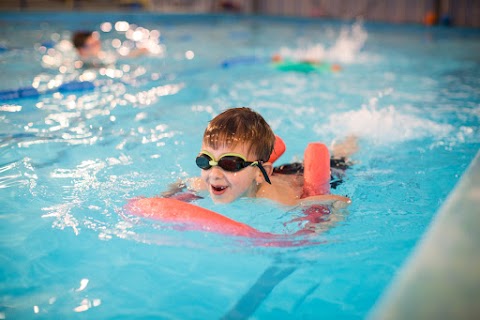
[218, 189]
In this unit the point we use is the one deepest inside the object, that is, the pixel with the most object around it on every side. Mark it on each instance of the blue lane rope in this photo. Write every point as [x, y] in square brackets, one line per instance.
[31, 92]
[242, 60]
[46, 44]
[77, 86]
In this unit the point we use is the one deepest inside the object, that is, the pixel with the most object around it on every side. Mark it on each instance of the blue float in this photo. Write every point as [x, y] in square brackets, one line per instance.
[242, 60]
[48, 44]
[31, 92]
[76, 86]
[28, 92]
[445, 20]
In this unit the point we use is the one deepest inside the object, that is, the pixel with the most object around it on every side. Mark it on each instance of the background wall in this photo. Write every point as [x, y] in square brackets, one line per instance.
[430, 12]
[456, 12]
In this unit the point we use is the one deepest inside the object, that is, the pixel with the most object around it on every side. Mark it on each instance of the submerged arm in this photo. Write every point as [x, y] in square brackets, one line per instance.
[174, 188]
[177, 190]
[336, 201]
[192, 184]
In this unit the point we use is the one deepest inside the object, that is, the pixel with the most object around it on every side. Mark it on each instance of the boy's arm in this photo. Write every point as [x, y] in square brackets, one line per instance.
[192, 184]
[338, 202]
[174, 189]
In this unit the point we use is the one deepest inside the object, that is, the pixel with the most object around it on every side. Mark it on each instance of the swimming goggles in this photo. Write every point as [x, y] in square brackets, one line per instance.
[231, 162]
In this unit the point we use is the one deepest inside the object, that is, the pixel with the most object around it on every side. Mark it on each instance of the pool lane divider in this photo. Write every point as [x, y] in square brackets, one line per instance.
[82, 86]
[76, 86]
[46, 44]
[243, 60]
[79, 86]
[31, 92]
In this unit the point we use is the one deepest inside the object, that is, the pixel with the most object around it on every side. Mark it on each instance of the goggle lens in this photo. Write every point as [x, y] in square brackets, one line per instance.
[227, 163]
[231, 163]
[203, 162]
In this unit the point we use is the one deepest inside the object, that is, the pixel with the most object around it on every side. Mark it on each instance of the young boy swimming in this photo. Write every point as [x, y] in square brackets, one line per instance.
[234, 156]
[89, 49]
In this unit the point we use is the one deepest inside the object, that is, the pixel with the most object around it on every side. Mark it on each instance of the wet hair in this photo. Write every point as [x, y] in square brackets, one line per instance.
[80, 37]
[241, 125]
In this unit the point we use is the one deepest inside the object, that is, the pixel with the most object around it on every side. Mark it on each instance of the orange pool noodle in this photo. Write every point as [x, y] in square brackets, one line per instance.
[190, 217]
[278, 149]
[316, 173]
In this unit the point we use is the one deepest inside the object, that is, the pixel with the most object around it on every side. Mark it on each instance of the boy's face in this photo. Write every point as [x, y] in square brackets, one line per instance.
[91, 48]
[225, 186]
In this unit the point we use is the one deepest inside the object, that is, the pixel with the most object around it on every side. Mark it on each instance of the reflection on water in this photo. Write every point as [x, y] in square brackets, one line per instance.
[71, 159]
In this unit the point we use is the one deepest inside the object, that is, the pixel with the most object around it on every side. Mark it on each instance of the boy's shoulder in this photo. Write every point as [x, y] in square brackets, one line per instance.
[285, 189]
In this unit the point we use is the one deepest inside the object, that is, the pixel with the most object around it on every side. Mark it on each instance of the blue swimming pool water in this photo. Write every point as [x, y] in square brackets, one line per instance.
[70, 161]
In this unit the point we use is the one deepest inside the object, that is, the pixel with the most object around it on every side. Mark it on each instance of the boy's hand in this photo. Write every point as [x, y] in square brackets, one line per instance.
[341, 204]
[174, 188]
[336, 201]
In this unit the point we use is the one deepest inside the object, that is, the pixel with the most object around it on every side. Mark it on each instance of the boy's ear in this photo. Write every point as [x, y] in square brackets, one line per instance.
[268, 166]
[268, 169]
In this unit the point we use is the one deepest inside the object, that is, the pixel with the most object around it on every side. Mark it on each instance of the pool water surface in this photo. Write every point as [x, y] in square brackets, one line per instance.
[71, 160]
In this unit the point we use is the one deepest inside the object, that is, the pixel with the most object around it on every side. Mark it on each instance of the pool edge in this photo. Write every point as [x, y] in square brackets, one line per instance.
[441, 278]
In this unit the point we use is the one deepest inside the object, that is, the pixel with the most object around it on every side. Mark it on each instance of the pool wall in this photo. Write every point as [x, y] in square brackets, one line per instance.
[429, 12]
[441, 279]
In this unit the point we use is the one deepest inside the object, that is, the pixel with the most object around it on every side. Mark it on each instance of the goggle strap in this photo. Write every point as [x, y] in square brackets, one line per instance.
[265, 175]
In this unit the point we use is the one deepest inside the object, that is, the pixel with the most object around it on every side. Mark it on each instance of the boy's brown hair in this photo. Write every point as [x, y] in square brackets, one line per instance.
[80, 37]
[241, 125]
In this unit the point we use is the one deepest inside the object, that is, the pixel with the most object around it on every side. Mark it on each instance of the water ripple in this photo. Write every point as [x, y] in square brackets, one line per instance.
[18, 173]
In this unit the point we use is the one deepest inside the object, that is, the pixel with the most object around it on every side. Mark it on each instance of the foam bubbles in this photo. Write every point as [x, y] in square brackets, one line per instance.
[348, 45]
[382, 125]
[346, 48]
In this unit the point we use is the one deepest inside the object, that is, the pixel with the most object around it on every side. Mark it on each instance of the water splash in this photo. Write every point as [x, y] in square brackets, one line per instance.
[348, 45]
[346, 48]
[382, 125]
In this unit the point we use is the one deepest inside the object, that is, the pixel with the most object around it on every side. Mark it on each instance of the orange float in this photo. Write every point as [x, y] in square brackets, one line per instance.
[430, 18]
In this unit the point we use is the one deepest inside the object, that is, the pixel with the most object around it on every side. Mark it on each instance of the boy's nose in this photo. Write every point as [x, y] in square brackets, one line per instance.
[216, 172]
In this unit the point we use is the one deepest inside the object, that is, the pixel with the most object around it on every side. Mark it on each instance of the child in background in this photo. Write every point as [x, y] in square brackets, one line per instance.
[89, 49]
